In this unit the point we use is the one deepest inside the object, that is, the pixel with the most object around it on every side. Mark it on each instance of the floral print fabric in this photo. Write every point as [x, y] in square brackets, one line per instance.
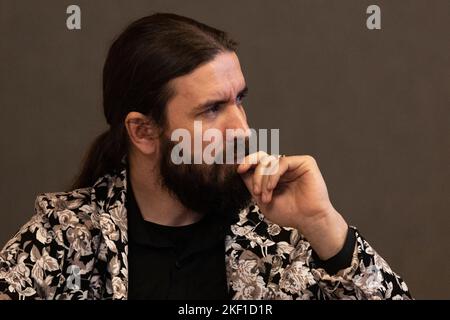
[76, 246]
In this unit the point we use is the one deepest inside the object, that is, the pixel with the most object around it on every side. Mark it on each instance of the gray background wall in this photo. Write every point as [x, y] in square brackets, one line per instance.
[371, 106]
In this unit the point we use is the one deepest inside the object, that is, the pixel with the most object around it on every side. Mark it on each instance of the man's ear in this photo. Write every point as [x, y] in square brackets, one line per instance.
[142, 132]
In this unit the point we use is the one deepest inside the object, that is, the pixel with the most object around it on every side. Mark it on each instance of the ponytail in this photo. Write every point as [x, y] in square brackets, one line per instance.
[104, 156]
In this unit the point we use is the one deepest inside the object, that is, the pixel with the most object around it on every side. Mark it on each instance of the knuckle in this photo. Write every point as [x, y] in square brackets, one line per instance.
[262, 154]
[310, 159]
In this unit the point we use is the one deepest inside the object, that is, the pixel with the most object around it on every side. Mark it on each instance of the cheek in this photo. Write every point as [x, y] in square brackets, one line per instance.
[177, 122]
[178, 118]
[216, 128]
[215, 139]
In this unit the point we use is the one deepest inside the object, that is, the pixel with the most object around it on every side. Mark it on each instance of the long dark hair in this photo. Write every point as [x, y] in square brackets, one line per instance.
[140, 63]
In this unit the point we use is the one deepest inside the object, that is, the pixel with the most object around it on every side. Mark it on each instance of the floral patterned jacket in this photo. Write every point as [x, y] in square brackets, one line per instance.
[75, 247]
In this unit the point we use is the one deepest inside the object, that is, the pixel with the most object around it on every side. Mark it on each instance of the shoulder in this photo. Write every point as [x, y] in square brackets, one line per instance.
[66, 208]
[59, 216]
[54, 202]
[62, 229]
[84, 202]
[80, 212]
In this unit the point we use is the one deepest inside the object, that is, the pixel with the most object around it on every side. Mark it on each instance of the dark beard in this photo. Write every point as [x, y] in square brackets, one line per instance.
[206, 189]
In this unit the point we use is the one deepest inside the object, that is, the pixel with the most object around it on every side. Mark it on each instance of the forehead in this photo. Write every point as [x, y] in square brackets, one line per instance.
[220, 78]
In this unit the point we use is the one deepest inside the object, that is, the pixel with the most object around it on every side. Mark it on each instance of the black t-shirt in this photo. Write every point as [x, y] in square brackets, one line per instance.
[166, 262]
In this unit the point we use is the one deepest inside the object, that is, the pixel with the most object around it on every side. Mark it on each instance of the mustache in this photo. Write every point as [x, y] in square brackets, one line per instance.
[233, 152]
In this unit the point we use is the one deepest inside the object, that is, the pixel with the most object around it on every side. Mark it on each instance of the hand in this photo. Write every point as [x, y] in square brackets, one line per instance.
[291, 192]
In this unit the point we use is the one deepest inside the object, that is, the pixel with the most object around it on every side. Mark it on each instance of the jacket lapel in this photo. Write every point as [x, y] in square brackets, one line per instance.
[110, 197]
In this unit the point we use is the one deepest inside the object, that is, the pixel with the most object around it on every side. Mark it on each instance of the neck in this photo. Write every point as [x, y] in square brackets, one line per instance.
[155, 202]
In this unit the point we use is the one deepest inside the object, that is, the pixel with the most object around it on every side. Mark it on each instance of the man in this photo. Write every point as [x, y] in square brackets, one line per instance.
[139, 226]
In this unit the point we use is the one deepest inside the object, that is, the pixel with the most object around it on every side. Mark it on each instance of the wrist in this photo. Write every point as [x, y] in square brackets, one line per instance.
[326, 233]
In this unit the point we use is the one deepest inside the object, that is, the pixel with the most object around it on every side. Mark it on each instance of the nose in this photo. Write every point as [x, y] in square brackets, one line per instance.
[237, 122]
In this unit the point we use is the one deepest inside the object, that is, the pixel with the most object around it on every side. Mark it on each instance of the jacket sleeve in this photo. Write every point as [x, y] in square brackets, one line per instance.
[368, 276]
[29, 268]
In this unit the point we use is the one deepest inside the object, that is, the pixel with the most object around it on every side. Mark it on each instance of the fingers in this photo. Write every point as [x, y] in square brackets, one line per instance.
[258, 176]
[259, 182]
[265, 193]
[270, 170]
[262, 172]
[283, 166]
[251, 161]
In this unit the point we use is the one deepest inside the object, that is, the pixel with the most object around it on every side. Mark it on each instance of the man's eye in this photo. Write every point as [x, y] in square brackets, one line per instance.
[213, 109]
[240, 98]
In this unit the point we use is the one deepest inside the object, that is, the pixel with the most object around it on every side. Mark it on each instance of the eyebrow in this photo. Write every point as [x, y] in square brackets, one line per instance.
[207, 103]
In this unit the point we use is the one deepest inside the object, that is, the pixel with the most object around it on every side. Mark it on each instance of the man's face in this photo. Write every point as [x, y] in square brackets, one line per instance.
[212, 94]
